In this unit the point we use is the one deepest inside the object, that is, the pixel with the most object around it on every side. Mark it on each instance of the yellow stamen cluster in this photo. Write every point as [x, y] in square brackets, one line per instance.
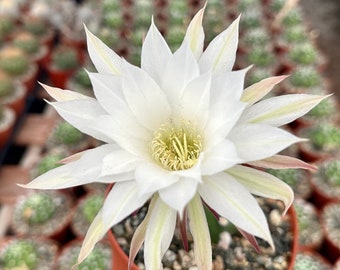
[176, 148]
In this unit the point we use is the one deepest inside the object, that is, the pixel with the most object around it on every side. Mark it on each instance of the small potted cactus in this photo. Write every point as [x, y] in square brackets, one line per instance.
[330, 220]
[84, 213]
[12, 93]
[99, 259]
[310, 230]
[27, 253]
[7, 122]
[324, 141]
[14, 62]
[42, 214]
[326, 182]
[27, 42]
[62, 65]
[309, 259]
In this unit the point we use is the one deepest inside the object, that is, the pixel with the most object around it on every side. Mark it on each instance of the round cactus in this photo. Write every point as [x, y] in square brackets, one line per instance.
[26, 42]
[6, 85]
[13, 61]
[65, 133]
[49, 162]
[21, 253]
[92, 206]
[64, 58]
[38, 208]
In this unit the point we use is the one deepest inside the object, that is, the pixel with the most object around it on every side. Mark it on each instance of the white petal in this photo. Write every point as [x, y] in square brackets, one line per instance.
[220, 157]
[104, 59]
[258, 90]
[180, 193]
[222, 119]
[234, 202]
[194, 103]
[82, 171]
[221, 52]
[155, 54]
[126, 133]
[179, 71]
[146, 100]
[151, 177]
[228, 86]
[108, 91]
[256, 141]
[119, 161]
[283, 162]
[61, 94]
[280, 110]
[121, 201]
[195, 34]
[263, 184]
[158, 236]
[200, 231]
[83, 114]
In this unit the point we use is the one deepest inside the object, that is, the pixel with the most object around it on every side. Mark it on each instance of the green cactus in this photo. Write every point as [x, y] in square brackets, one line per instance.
[260, 57]
[6, 85]
[95, 261]
[92, 206]
[36, 26]
[67, 134]
[277, 5]
[294, 17]
[289, 176]
[250, 19]
[306, 261]
[304, 54]
[6, 25]
[27, 43]
[324, 136]
[295, 34]
[65, 58]
[20, 253]
[331, 171]
[13, 61]
[48, 162]
[38, 208]
[305, 77]
[326, 108]
[256, 37]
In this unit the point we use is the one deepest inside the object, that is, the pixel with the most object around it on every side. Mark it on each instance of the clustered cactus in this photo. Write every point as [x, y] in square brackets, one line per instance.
[325, 136]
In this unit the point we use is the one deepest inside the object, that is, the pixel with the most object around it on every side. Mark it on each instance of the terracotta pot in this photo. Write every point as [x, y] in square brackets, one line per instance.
[59, 78]
[119, 258]
[331, 245]
[6, 126]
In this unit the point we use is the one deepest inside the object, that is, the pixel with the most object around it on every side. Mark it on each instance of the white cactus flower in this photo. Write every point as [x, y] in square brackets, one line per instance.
[178, 131]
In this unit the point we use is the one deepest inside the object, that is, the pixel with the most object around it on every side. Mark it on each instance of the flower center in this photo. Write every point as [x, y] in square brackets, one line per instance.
[176, 148]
